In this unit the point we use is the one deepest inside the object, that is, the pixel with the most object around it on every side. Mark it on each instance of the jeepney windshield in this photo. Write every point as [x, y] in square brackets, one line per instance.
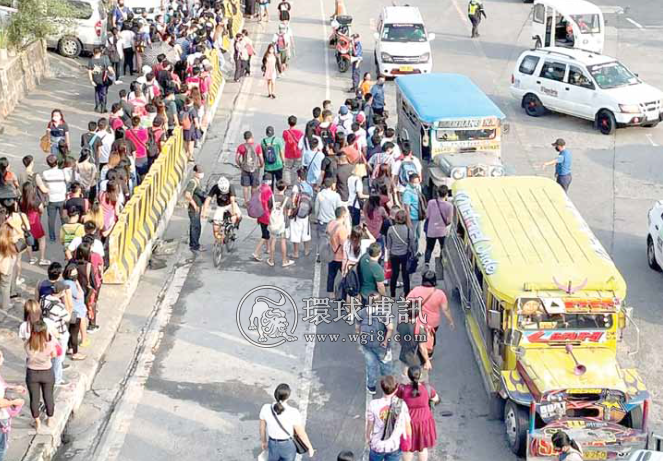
[465, 135]
[587, 23]
[581, 321]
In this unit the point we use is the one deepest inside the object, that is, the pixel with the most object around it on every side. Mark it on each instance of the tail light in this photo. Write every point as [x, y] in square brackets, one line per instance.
[97, 28]
[513, 79]
[645, 414]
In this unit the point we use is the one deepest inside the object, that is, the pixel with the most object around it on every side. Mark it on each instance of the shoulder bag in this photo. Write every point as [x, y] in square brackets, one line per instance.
[299, 443]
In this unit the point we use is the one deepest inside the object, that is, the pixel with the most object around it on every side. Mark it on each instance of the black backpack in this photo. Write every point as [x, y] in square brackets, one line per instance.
[326, 136]
[350, 284]
[152, 144]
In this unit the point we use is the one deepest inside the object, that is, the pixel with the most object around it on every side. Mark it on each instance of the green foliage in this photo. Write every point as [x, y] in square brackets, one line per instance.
[36, 19]
[4, 38]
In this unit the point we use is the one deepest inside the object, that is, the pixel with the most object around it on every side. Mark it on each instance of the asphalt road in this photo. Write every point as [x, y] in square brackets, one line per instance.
[204, 385]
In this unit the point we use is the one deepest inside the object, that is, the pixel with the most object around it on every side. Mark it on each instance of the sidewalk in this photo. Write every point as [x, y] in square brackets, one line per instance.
[69, 91]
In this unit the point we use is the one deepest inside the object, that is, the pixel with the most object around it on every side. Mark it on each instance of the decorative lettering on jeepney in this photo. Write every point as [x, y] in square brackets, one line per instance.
[480, 241]
[582, 225]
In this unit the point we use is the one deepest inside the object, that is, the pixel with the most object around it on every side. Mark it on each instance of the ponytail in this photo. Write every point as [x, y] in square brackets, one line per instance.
[278, 408]
[414, 373]
[281, 394]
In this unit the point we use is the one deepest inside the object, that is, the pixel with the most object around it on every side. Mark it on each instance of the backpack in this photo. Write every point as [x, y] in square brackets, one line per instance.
[269, 152]
[280, 42]
[407, 169]
[326, 135]
[185, 120]
[69, 231]
[41, 197]
[277, 218]
[152, 145]
[305, 206]
[350, 284]
[255, 208]
[47, 304]
[249, 161]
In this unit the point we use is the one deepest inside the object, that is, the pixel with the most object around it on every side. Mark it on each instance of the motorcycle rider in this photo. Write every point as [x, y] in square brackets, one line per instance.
[226, 202]
[474, 12]
[356, 59]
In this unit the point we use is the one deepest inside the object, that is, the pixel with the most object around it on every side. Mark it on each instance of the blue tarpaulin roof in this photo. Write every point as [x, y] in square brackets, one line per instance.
[446, 96]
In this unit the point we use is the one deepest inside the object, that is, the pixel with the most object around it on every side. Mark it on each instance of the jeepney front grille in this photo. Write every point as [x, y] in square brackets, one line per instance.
[405, 59]
[477, 171]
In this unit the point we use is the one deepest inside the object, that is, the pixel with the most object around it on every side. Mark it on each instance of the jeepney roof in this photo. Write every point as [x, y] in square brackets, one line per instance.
[536, 242]
[566, 8]
[446, 96]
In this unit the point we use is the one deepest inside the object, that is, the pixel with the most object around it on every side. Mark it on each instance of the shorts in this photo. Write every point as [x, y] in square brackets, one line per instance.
[300, 230]
[264, 231]
[284, 55]
[189, 135]
[250, 179]
[221, 211]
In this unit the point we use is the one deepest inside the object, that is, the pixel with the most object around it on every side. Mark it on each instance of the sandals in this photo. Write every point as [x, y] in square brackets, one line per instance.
[257, 258]
[270, 263]
[78, 357]
[288, 264]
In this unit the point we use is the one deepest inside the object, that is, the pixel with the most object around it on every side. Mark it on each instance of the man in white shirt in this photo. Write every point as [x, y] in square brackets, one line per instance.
[385, 157]
[376, 417]
[97, 246]
[399, 168]
[103, 143]
[56, 180]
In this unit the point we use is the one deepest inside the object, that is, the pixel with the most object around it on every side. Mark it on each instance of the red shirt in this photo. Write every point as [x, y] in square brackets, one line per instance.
[265, 197]
[241, 149]
[291, 138]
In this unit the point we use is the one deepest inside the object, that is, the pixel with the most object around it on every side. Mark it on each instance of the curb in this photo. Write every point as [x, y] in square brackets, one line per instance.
[112, 305]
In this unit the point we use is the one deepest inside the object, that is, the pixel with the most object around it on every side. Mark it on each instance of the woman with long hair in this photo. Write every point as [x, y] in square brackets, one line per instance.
[109, 200]
[401, 242]
[87, 174]
[57, 129]
[32, 314]
[40, 349]
[418, 397]
[20, 226]
[374, 216]
[33, 209]
[96, 215]
[271, 67]
[279, 422]
[8, 258]
[570, 450]
[113, 161]
[78, 320]
[355, 246]
[8, 179]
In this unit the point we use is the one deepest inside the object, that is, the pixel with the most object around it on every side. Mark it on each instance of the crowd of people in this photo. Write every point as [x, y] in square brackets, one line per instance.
[82, 194]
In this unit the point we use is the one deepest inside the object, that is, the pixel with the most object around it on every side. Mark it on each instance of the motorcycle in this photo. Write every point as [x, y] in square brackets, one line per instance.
[341, 39]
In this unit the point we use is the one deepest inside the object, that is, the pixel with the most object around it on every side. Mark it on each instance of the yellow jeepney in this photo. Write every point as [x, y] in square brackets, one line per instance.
[544, 310]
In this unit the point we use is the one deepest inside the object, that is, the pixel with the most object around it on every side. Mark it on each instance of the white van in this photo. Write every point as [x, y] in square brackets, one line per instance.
[153, 8]
[586, 85]
[88, 30]
[402, 45]
[577, 24]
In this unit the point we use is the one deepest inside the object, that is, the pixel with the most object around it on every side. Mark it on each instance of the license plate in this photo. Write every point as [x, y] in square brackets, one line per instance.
[593, 455]
[652, 116]
[406, 68]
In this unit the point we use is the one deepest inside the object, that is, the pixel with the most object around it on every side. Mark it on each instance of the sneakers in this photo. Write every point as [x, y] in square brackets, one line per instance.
[92, 329]
[34, 261]
[44, 262]
[289, 263]
[371, 390]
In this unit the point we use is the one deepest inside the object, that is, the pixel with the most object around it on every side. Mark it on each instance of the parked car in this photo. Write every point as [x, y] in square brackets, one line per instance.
[402, 45]
[88, 30]
[655, 236]
[586, 85]
[151, 7]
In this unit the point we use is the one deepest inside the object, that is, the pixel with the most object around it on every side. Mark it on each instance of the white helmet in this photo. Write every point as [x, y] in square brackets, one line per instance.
[223, 184]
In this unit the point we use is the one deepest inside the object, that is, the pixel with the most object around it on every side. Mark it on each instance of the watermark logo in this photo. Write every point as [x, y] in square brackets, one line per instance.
[261, 320]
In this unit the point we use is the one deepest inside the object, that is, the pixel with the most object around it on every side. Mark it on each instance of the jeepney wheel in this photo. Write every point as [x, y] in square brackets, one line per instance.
[533, 105]
[516, 419]
[497, 405]
[651, 255]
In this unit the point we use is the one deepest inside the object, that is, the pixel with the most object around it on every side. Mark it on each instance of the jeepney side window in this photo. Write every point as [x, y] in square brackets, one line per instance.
[528, 64]
[479, 274]
[460, 227]
[539, 13]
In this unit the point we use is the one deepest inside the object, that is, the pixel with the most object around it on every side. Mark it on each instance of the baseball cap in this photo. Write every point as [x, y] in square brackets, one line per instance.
[343, 110]
[559, 142]
[361, 117]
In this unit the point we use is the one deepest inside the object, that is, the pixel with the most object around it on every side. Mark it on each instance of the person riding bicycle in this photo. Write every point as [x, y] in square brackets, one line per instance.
[226, 205]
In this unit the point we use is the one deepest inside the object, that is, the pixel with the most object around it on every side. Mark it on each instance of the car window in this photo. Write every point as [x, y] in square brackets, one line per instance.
[403, 33]
[539, 13]
[612, 75]
[587, 23]
[578, 78]
[528, 65]
[81, 10]
[553, 70]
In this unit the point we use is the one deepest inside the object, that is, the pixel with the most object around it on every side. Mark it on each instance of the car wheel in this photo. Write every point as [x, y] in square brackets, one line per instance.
[69, 47]
[533, 106]
[606, 123]
[516, 420]
[651, 255]
[651, 125]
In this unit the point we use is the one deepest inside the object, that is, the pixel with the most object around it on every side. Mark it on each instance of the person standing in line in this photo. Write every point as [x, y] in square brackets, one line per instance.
[249, 158]
[312, 160]
[293, 153]
[56, 180]
[413, 202]
[78, 320]
[300, 222]
[279, 422]
[100, 73]
[356, 59]
[562, 164]
[400, 244]
[375, 328]
[8, 258]
[282, 205]
[39, 378]
[57, 130]
[264, 12]
[439, 214]
[385, 441]
[344, 171]
[418, 397]
[338, 232]
[377, 91]
[195, 196]
[115, 52]
[267, 201]
[8, 409]
[273, 148]
[474, 12]
[128, 38]
[242, 57]
[356, 195]
[326, 203]
[271, 67]
[33, 209]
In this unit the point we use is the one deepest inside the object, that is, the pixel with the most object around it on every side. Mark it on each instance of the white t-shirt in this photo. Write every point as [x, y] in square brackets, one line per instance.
[127, 38]
[24, 329]
[396, 169]
[377, 413]
[289, 418]
[397, 148]
[97, 246]
[106, 144]
[355, 186]
[56, 180]
[349, 254]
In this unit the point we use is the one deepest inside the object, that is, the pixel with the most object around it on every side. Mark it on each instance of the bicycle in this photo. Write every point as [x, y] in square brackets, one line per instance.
[225, 237]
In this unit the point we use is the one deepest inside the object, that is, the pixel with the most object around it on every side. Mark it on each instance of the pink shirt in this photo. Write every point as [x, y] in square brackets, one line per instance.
[432, 308]
[265, 196]
[139, 137]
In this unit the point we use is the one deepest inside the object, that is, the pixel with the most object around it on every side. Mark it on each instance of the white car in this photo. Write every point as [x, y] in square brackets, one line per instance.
[402, 45]
[655, 236]
[151, 7]
[586, 85]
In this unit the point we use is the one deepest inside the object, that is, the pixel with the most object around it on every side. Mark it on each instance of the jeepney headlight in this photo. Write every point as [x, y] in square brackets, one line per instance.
[424, 57]
[458, 173]
[629, 108]
[497, 171]
[386, 57]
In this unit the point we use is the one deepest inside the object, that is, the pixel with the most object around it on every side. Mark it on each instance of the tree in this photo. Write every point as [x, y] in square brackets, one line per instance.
[37, 19]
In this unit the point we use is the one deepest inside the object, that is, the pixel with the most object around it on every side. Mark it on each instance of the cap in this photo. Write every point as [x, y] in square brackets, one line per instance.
[559, 142]
[343, 110]
[147, 69]
[361, 118]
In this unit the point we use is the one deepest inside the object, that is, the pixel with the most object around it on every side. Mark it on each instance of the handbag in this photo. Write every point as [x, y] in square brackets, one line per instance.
[431, 402]
[299, 444]
[29, 239]
[45, 143]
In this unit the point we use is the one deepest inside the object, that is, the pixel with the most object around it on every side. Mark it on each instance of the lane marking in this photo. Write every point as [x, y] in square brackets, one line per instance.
[325, 51]
[651, 139]
[635, 23]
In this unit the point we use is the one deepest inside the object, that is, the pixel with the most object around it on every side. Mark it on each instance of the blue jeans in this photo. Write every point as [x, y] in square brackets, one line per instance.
[373, 356]
[54, 209]
[281, 450]
[58, 361]
[392, 456]
[3, 439]
[195, 228]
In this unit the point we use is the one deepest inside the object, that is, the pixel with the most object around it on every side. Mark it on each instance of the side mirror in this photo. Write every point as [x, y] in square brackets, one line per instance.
[623, 317]
[376, 35]
[431, 37]
[494, 320]
[513, 338]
